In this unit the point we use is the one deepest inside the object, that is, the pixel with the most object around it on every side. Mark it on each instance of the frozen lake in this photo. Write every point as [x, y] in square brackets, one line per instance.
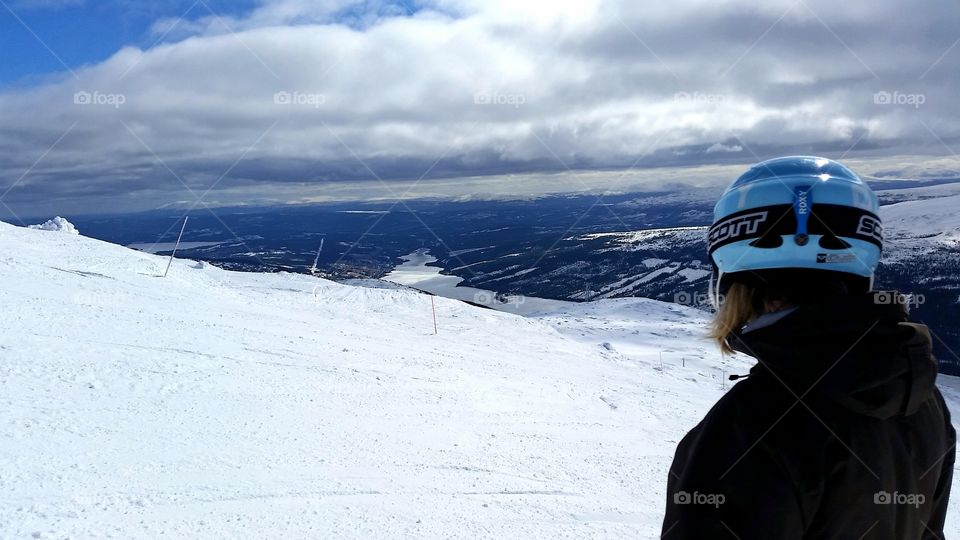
[416, 272]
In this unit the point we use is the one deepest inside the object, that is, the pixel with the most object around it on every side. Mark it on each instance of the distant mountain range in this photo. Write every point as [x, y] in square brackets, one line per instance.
[578, 247]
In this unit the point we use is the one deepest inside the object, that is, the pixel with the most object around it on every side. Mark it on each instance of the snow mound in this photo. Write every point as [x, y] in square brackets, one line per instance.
[215, 404]
[57, 224]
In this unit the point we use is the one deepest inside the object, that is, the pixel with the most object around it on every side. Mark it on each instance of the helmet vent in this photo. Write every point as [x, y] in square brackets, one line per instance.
[768, 241]
[830, 241]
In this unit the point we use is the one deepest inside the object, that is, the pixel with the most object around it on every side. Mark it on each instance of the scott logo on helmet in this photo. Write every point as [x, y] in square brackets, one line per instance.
[735, 227]
[871, 227]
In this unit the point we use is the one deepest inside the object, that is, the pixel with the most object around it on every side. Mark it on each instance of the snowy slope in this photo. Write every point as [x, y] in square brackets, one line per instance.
[213, 404]
[921, 226]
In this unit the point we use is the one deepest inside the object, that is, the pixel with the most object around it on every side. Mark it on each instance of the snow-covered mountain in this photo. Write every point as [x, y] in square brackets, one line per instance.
[921, 257]
[215, 404]
[921, 227]
[917, 222]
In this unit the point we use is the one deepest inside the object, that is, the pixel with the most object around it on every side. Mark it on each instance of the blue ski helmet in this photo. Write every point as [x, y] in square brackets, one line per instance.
[796, 213]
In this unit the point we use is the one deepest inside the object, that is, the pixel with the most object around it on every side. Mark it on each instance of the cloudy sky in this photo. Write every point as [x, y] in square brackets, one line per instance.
[120, 105]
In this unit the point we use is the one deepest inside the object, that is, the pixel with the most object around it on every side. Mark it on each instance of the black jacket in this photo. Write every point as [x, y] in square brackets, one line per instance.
[838, 433]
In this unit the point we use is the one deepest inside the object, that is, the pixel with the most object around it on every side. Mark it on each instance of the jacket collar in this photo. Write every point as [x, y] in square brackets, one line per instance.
[858, 352]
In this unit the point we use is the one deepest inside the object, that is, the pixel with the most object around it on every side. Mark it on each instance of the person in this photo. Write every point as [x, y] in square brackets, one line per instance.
[838, 431]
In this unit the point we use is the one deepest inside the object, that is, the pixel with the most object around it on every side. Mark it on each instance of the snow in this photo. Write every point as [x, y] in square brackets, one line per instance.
[215, 404]
[619, 288]
[920, 226]
[652, 262]
[693, 274]
[922, 218]
[666, 239]
[57, 224]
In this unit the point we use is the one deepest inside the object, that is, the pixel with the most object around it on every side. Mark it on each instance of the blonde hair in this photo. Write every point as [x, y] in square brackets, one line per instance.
[737, 307]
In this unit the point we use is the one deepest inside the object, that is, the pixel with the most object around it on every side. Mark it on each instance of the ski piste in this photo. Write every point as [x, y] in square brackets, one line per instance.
[216, 403]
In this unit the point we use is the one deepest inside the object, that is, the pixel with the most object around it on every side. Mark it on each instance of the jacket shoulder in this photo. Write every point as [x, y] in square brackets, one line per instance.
[736, 454]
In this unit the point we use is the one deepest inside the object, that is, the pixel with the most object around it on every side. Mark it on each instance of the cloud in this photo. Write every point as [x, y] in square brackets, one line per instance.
[297, 97]
[719, 147]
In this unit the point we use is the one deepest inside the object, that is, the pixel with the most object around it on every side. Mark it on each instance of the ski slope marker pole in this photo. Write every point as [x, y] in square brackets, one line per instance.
[433, 306]
[174, 252]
